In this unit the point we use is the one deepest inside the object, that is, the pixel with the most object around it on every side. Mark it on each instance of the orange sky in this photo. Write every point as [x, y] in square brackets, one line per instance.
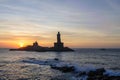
[68, 41]
[82, 23]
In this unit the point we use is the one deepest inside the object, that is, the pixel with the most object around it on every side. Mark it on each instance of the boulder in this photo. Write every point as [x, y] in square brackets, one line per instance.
[56, 59]
[64, 68]
[97, 72]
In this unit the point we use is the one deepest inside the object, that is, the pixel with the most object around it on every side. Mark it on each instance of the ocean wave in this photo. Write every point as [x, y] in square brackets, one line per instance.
[80, 72]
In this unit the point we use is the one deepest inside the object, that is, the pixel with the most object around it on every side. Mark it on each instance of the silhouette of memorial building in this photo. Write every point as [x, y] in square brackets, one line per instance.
[35, 44]
[58, 46]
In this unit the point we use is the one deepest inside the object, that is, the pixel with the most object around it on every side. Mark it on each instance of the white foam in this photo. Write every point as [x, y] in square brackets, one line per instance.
[112, 73]
[84, 69]
[58, 63]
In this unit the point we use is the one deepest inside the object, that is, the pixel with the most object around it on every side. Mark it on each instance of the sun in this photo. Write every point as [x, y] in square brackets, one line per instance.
[21, 44]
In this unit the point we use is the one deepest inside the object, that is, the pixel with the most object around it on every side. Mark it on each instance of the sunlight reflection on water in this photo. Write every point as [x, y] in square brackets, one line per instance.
[12, 68]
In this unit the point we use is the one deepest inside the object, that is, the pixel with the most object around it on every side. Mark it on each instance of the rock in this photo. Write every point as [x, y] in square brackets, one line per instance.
[56, 59]
[81, 74]
[67, 69]
[99, 72]
[114, 78]
[64, 68]
[99, 75]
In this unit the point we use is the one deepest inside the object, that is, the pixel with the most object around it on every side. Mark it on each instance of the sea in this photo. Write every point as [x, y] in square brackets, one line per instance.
[28, 65]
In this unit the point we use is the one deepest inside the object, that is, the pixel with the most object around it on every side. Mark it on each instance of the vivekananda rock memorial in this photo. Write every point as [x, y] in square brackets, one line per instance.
[58, 47]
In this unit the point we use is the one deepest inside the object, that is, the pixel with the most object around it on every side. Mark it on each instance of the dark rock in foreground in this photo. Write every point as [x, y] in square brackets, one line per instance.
[64, 68]
[98, 74]
[79, 73]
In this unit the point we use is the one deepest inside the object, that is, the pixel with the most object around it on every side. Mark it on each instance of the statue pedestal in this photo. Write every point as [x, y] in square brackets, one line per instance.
[58, 45]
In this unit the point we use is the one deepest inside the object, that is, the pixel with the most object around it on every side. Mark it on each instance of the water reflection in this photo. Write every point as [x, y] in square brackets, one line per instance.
[12, 68]
[58, 55]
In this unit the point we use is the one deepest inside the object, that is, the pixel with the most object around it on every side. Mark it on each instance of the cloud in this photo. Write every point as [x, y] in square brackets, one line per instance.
[41, 19]
[115, 4]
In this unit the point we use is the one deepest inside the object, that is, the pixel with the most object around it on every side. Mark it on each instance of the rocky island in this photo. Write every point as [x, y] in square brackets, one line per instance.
[58, 47]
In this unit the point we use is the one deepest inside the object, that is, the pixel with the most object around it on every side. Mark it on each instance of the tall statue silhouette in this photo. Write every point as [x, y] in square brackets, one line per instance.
[58, 45]
[58, 38]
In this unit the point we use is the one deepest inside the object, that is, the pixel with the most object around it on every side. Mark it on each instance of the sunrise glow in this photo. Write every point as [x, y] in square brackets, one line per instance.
[21, 44]
[89, 23]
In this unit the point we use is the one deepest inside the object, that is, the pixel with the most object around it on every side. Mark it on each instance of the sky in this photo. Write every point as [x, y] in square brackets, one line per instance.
[82, 23]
